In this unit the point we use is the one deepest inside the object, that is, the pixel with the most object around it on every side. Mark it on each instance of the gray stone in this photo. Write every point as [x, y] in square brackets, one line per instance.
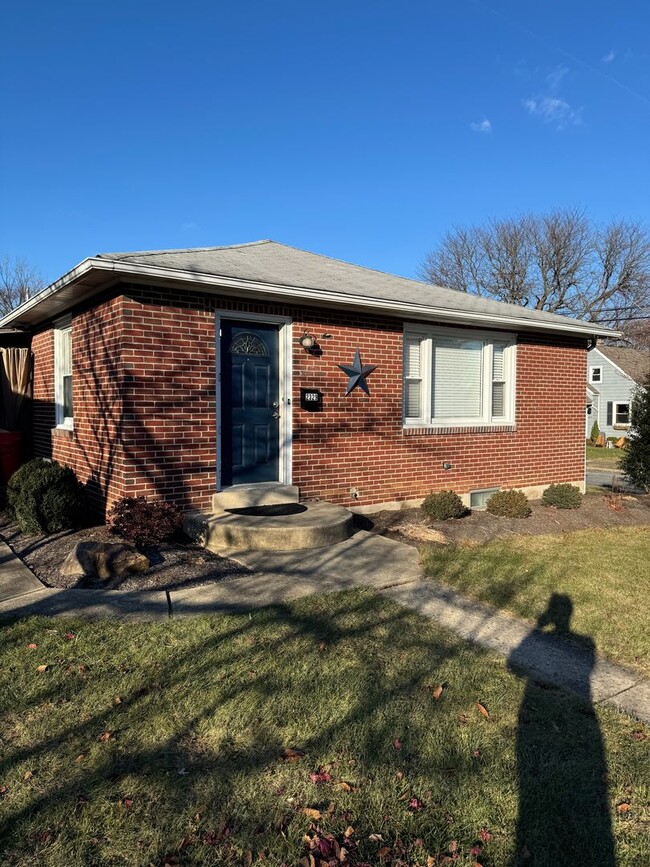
[103, 560]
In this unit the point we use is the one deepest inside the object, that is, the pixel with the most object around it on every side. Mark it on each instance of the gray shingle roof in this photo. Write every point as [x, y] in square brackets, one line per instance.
[634, 362]
[272, 262]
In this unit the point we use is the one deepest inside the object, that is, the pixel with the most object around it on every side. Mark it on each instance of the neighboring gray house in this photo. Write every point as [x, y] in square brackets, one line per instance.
[612, 374]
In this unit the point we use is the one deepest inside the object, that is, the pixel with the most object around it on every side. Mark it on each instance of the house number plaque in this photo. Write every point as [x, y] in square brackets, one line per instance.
[311, 399]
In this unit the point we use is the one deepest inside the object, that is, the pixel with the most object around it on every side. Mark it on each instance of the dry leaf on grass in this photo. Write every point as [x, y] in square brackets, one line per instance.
[80, 758]
[291, 754]
[437, 692]
[28, 775]
[105, 736]
[312, 813]
[624, 807]
[42, 668]
[483, 710]
[347, 787]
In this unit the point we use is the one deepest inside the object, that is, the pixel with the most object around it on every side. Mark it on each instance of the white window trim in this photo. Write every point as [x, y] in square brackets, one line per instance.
[617, 403]
[593, 381]
[61, 327]
[427, 334]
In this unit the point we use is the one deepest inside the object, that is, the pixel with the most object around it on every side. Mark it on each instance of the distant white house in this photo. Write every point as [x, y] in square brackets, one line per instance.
[613, 372]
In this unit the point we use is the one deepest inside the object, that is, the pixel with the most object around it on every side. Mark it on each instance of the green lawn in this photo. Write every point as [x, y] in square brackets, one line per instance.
[605, 572]
[161, 744]
[609, 456]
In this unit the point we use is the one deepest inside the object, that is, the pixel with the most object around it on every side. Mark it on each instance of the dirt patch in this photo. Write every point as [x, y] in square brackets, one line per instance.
[597, 511]
[173, 564]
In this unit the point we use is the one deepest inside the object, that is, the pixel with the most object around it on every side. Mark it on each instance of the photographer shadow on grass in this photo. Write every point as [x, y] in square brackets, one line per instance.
[563, 795]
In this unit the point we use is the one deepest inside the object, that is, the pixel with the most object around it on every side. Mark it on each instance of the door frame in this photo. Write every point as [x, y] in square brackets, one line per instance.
[285, 378]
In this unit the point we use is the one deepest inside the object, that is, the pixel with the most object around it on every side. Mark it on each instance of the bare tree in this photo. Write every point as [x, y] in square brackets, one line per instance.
[18, 280]
[559, 262]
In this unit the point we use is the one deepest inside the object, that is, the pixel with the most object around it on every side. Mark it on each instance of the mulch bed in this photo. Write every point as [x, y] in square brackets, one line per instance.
[173, 564]
[597, 511]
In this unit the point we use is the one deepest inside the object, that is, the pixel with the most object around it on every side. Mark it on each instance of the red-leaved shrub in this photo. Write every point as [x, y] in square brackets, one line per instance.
[143, 522]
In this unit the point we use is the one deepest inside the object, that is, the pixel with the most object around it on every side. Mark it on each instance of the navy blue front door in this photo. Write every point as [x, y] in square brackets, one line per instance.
[250, 426]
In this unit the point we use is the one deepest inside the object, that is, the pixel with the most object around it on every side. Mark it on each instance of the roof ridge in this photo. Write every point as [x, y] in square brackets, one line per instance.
[173, 250]
[363, 267]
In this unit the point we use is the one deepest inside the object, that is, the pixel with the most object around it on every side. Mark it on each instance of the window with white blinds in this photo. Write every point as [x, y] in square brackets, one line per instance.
[413, 377]
[63, 373]
[456, 377]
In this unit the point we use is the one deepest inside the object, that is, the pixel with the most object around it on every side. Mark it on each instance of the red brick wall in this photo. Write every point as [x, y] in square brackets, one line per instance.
[94, 448]
[162, 345]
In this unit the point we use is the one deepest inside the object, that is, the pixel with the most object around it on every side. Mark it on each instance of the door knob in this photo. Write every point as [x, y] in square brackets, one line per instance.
[275, 415]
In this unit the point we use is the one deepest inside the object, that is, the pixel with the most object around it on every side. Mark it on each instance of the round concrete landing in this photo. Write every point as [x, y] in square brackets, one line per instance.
[319, 524]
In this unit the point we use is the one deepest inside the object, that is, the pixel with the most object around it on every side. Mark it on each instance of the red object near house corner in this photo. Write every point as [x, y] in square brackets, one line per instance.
[9, 454]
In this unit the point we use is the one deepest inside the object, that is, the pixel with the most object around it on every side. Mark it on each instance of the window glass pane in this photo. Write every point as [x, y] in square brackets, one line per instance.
[67, 397]
[478, 499]
[595, 374]
[498, 399]
[457, 378]
[412, 357]
[413, 399]
[66, 352]
[622, 413]
[498, 362]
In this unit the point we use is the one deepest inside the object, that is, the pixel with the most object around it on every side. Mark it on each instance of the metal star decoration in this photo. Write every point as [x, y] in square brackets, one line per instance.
[357, 373]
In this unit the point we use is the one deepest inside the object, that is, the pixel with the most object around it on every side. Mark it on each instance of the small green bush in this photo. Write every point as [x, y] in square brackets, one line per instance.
[595, 432]
[143, 522]
[45, 497]
[562, 497]
[509, 504]
[442, 505]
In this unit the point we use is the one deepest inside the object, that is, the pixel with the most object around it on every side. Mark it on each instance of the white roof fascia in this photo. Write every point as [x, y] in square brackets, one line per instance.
[130, 269]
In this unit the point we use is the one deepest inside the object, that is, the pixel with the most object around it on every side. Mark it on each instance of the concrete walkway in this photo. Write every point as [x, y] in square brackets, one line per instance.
[365, 560]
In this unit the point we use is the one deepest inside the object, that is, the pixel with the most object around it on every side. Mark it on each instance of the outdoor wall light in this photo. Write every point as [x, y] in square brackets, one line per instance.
[308, 341]
[447, 465]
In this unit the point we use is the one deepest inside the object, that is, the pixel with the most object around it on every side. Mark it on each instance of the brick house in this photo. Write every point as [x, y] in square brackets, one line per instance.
[177, 373]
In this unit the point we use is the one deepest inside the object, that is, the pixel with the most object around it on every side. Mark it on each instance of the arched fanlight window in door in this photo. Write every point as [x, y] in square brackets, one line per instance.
[248, 344]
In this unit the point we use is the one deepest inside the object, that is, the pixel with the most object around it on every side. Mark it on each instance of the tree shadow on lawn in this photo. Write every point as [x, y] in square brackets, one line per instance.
[198, 734]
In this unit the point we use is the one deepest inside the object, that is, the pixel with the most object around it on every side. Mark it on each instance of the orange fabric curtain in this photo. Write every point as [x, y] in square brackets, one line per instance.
[15, 384]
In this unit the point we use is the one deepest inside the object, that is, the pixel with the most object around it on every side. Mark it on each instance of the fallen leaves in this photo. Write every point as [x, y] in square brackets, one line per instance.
[32, 646]
[28, 775]
[69, 636]
[483, 710]
[437, 692]
[291, 754]
[312, 812]
[105, 736]
[397, 744]
[80, 758]
[347, 787]
[42, 668]
[320, 776]
[625, 807]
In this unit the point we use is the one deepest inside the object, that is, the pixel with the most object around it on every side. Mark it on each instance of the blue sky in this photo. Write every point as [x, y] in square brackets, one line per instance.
[361, 130]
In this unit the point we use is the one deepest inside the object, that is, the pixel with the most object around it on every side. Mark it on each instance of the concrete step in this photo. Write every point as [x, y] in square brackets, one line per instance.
[315, 526]
[248, 496]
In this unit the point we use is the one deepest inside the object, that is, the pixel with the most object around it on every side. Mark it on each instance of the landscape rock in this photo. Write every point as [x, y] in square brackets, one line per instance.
[103, 560]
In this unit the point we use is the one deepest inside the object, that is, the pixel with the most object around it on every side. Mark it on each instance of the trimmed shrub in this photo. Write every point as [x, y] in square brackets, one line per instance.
[562, 496]
[509, 504]
[143, 522]
[442, 505]
[595, 432]
[45, 497]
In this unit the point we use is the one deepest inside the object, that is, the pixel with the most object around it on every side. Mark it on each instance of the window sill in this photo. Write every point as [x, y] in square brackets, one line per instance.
[621, 426]
[63, 430]
[439, 430]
